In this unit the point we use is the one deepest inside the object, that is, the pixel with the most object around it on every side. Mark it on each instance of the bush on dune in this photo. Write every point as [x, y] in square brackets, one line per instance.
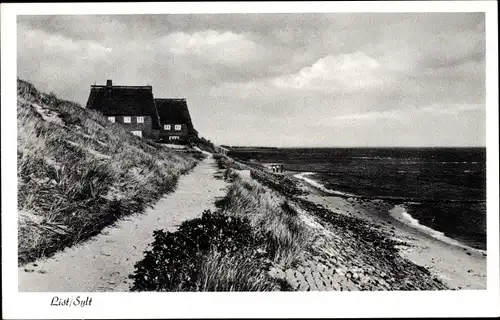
[196, 257]
[77, 172]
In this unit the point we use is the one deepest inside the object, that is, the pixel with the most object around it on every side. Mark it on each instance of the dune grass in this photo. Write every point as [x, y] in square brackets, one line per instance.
[231, 249]
[225, 162]
[221, 272]
[78, 173]
[278, 182]
[270, 213]
[271, 216]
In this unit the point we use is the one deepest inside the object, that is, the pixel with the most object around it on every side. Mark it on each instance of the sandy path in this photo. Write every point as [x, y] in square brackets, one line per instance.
[104, 262]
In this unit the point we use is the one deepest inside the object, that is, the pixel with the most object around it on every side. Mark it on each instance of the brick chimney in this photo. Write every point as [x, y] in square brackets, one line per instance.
[109, 88]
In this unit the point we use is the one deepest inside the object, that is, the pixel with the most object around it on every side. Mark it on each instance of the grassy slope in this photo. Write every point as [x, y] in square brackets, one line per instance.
[271, 216]
[78, 173]
[231, 249]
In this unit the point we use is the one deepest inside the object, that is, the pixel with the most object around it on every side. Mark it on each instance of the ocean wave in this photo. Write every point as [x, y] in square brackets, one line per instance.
[373, 158]
[460, 162]
[399, 213]
[320, 186]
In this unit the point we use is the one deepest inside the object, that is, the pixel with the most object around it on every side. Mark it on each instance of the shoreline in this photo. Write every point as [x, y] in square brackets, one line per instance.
[343, 253]
[397, 212]
[458, 266]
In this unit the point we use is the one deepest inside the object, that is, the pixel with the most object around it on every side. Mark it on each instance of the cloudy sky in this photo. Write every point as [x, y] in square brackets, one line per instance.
[340, 79]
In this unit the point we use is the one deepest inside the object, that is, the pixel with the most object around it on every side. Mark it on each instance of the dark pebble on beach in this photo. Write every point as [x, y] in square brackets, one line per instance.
[468, 253]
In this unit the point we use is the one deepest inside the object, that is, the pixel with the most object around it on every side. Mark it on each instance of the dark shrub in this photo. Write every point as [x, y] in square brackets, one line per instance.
[173, 262]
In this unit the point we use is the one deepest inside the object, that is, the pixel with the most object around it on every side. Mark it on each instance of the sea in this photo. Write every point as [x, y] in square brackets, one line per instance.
[441, 191]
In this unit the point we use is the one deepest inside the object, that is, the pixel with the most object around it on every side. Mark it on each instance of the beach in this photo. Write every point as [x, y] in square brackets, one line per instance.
[350, 243]
[459, 267]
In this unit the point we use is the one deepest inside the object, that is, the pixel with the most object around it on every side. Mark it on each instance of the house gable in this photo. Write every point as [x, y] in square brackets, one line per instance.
[123, 101]
[175, 112]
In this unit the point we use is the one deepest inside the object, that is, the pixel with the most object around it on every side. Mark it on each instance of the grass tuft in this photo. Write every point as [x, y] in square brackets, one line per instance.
[271, 217]
[220, 272]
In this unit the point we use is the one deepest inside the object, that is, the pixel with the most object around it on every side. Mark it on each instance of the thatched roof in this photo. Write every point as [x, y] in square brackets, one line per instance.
[174, 111]
[123, 100]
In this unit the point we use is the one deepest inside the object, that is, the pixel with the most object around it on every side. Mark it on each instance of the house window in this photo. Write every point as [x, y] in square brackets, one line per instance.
[137, 133]
[111, 119]
[177, 127]
[173, 138]
[126, 120]
[140, 119]
[167, 127]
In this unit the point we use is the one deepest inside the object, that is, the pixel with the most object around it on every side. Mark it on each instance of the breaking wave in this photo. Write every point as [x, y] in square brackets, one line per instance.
[399, 213]
[320, 186]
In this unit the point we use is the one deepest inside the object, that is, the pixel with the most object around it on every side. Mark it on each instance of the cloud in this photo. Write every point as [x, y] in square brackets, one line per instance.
[403, 115]
[83, 27]
[451, 110]
[346, 72]
[60, 45]
[369, 116]
[429, 41]
[226, 48]
[321, 79]
[451, 48]
[60, 64]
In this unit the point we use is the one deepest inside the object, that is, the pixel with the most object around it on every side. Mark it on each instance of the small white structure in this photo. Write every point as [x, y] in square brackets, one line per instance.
[221, 150]
[276, 167]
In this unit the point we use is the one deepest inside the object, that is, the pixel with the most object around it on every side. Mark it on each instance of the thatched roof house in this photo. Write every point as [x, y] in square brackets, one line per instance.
[133, 106]
[175, 120]
[166, 120]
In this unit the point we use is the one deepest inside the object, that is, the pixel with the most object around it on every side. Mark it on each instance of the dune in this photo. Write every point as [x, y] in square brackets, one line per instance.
[104, 262]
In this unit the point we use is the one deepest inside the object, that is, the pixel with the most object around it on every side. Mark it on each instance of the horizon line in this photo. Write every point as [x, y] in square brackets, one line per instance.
[350, 147]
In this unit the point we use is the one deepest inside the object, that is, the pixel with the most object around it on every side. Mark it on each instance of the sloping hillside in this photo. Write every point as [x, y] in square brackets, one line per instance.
[78, 173]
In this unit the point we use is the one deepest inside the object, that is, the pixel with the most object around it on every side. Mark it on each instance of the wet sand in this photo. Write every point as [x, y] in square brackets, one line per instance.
[459, 267]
